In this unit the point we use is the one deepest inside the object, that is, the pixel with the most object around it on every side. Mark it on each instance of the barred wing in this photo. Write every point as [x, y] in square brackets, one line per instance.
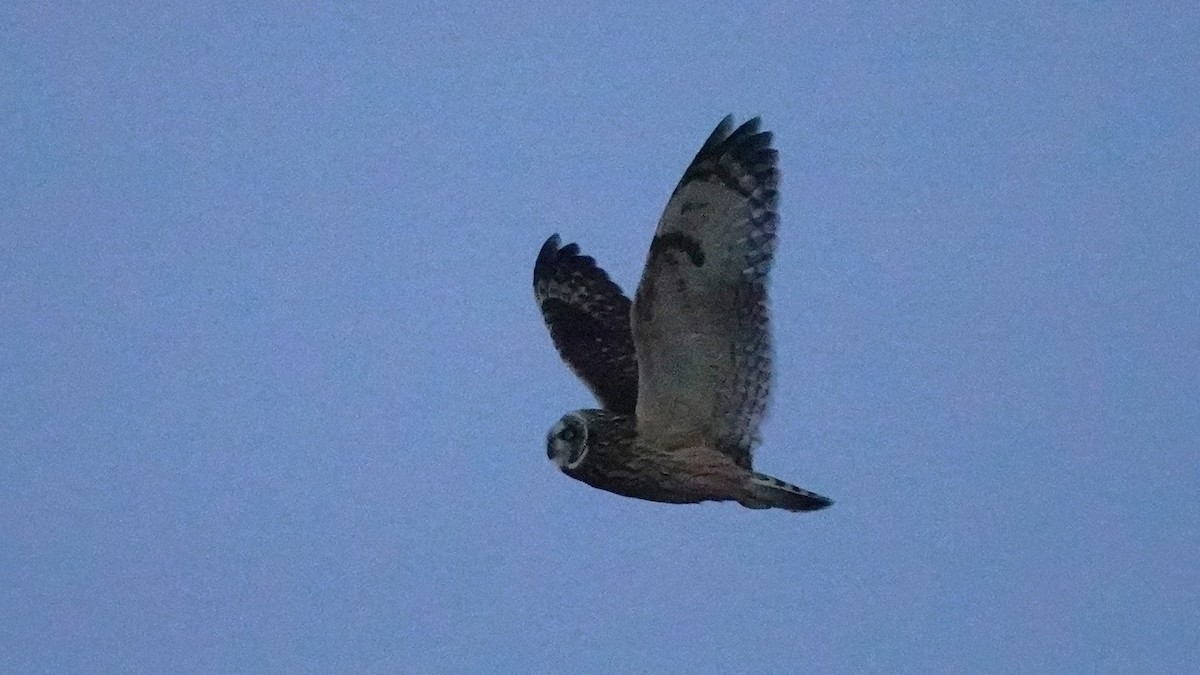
[588, 318]
[700, 321]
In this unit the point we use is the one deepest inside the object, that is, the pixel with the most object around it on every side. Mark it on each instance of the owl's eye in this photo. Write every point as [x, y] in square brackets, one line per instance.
[567, 434]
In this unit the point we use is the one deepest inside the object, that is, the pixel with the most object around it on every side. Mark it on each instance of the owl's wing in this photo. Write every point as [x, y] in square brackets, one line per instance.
[700, 319]
[588, 318]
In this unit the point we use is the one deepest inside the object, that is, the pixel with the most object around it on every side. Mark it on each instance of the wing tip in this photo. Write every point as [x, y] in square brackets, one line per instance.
[726, 134]
[747, 144]
[552, 253]
[550, 247]
[555, 260]
[718, 135]
[745, 140]
[545, 257]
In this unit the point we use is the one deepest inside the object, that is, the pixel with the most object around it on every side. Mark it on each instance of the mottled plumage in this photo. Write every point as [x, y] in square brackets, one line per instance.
[684, 373]
[702, 333]
[588, 318]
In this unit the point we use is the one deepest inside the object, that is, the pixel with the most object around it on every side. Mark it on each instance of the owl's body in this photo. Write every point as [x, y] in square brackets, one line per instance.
[684, 371]
[618, 461]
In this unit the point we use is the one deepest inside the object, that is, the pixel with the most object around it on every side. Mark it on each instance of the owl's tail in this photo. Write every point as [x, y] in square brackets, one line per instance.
[767, 492]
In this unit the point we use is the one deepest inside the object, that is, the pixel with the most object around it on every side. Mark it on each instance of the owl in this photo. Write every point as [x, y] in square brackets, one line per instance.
[683, 372]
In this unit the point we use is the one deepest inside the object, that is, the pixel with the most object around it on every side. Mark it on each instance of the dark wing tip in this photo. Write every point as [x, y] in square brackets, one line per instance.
[718, 135]
[748, 128]
[725, 136]
[545, 258]
[745, 141]
[747, 145]
[556, 262]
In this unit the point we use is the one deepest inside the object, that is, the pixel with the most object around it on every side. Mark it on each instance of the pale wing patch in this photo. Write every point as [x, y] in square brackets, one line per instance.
[700, 323]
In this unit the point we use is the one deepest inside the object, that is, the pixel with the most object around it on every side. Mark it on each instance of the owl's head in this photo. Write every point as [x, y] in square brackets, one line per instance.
[566, 444]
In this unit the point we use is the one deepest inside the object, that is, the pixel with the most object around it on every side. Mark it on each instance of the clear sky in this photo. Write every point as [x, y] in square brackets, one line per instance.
[274, 390]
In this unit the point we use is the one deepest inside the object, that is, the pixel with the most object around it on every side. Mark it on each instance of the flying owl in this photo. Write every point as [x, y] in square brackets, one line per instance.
[682, 373]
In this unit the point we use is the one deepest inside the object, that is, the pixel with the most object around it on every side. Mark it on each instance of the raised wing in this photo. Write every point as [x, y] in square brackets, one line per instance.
[588, 318]
[700, 319]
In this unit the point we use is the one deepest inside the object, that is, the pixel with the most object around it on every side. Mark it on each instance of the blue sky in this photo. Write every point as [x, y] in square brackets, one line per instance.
[275, 389]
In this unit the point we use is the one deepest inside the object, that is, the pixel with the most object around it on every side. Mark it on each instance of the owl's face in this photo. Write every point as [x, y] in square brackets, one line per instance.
[566, 444]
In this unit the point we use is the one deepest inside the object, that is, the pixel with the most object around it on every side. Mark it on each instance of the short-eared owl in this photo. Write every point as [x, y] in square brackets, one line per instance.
[684, 371]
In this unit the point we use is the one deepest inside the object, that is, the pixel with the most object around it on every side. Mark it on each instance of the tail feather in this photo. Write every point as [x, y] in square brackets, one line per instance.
[771, 493]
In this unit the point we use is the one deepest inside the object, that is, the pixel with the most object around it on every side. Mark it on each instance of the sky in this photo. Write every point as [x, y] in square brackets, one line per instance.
[274, 390]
